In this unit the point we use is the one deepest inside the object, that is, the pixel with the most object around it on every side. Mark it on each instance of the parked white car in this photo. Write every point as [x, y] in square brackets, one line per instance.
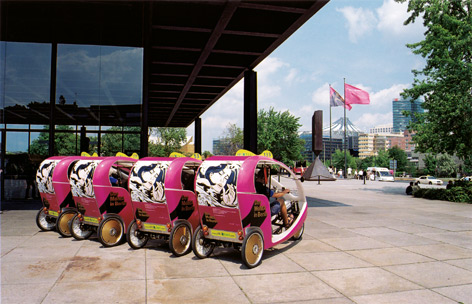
[428, 179]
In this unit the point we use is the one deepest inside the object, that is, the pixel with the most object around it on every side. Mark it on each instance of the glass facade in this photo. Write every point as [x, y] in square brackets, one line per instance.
[96, 94]
[400, 120]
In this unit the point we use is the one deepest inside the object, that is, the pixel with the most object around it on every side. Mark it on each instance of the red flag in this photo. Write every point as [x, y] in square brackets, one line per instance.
[354, 95]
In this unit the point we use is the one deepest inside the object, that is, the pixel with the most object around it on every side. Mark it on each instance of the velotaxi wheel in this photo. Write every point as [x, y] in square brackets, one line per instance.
[252, 250]
[298, 235]
[110, 232]
[201, 247]
[43, 221]
[180, 239]
[136, 239]
[63, 223]
[78, 230]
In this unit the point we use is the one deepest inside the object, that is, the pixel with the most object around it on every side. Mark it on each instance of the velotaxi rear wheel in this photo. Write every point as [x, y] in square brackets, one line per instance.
[252, 250]
[180, 239]
[63, 223]
[110, 232]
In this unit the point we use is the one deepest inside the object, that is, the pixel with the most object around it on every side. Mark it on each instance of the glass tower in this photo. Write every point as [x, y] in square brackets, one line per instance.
[401, 121]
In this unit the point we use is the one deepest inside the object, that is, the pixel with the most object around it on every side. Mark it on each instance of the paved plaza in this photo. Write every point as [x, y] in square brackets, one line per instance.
[362, 244]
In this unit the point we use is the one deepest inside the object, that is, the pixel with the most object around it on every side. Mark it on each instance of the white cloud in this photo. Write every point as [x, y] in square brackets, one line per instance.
[385, 96]
[320, 96]
[291, 76]
[392, 15]
[360, 21]
[370, 120]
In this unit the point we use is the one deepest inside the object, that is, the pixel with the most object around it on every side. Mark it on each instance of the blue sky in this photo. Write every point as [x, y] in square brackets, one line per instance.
[362, 41]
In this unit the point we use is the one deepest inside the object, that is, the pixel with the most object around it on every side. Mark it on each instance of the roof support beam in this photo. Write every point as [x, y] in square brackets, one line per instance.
[228, 12]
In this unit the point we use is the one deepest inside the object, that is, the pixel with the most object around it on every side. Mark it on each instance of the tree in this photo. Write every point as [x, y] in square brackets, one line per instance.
[338, 160]
[114, 142]
[445, 81]
[400, 156]
[64, 142]
[171, 140]
[430, 164]
[232, 140]
[278, 133]
[446, 166]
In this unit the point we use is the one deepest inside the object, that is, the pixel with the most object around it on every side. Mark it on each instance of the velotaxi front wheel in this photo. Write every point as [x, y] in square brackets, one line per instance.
[63, 223]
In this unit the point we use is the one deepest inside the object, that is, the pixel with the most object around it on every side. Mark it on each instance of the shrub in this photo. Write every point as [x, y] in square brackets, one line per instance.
[455, 194]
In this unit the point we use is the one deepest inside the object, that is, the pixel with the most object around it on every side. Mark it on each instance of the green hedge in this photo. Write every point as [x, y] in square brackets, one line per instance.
[461, 192]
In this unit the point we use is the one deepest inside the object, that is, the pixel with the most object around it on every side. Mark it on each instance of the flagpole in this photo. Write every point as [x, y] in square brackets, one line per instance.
[330, 138]
[345, 143]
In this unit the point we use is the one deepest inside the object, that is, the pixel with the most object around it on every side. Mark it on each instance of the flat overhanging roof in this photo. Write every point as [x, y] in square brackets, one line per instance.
[197, 50]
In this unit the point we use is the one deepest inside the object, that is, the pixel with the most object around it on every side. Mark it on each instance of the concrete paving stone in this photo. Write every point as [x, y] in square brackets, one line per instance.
[363, 281]
[195, 290]
[8, 243]
[99, 268]
[23, 293]
[329, 233]
[342, 300]
[355, 243]
[133, 291]
[441, 251]
[342, 223]
[411, 297]
[327, 261]
[289, 287]
[376, 231]
[460, 293]
[187, 266]
[462, 263]
[415, 229]
[389, 256]
[461, 239]
[308, 246]
[46, 253]
[432, 274]
[35, 271]
[464, 225]
[273, 261]
[405, 240]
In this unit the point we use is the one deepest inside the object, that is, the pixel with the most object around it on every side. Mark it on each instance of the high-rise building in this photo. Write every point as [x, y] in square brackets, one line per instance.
[401, 121]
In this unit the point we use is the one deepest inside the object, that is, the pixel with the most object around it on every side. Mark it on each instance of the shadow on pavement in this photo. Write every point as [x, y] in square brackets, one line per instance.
[27, 204]
[316, 202]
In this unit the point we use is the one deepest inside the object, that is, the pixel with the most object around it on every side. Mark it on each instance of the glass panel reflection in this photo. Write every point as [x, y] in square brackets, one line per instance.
[99, 85]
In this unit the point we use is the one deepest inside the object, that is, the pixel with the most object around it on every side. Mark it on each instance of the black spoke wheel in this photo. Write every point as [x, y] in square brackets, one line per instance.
[136, 239]
[44, 222]
[110, 232]
[200, 246]
[78, 230]
[180, 239]
[253, 249]
[63, 223]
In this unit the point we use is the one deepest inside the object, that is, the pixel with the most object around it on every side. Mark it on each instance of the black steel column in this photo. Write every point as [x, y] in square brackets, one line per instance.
[147, 32]
[52, 98]
[198, 135]
[250, 111]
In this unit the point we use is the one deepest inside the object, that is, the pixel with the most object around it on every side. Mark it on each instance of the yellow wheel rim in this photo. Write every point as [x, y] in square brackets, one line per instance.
[181, 239]
[111, 232]
[64, 223]
[254, 248]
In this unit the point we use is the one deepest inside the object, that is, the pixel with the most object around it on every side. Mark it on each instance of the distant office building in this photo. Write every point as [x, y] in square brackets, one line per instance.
[370, 144]
[329, 147]
[219, 146]
[382, 129]
[400, 121]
